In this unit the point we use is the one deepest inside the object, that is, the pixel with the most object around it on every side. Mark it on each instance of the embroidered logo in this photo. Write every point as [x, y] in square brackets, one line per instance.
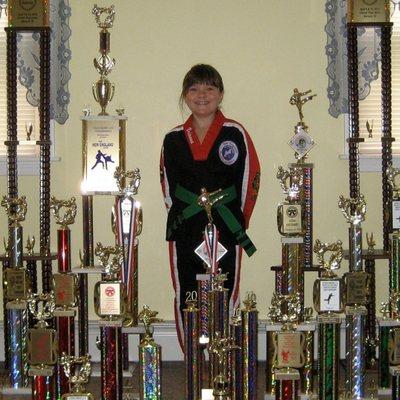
[228, 152]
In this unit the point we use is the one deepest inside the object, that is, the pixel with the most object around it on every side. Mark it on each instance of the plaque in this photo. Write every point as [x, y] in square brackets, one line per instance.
[16, 283]
[290, 350]
[328, 295]
[109, 299]
[394, 347]
[356, 288]
[289, 219]
[77, 396]
[396, 214]
[65, 289]
[368, 11]
[28, 13]
[42, 348]
[103, 152]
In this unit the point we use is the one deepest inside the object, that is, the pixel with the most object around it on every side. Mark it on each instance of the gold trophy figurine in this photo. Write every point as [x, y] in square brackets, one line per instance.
[298, 99]
[16, 209]
[70, 211]
[103, 89]
[220, 347]
[79, 378]
[208, 199]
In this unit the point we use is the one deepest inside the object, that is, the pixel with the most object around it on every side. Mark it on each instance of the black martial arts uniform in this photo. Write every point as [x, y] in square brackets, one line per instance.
[227, 160]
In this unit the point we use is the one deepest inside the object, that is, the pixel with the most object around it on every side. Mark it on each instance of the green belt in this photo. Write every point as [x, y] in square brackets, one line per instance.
[227, 216]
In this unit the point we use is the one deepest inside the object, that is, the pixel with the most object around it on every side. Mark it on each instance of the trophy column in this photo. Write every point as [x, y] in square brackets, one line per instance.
[356, 295]
[328, 301]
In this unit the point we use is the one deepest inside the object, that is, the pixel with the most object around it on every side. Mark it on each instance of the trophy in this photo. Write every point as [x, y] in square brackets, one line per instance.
[16, 285]
[249, 346]
[288, 346]
[394, 359]
[109, 299]
[103, 90]
[110, 293]
[42, 345]
[220, 347]
[236, 359]
[302, 143]
[356, 280]
[290, 212]
[329, 302]
[127, 224]
[78, 377]
[192, 352]
[367, 11]
[149, 358]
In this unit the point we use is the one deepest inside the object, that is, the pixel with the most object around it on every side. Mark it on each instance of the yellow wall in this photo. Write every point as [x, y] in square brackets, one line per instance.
[263, 49]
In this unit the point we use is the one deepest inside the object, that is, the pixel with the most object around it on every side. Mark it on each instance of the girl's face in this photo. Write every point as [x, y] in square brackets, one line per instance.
[203, 99]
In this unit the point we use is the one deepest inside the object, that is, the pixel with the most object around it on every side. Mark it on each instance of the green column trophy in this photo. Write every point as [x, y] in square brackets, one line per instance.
[109, 302]
[149, 358]
[42, 346]
[328, 298]
[356, 297]
[78, 377]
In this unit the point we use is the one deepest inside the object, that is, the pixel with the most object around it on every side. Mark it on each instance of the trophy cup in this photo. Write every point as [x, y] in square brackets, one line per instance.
[109, 299]
[328, 297]
[302, 143]
[16, 285]
[42, 346]
[192, 351]
[149, 358]
[356, 293]
[78, 377]
[65, 286]
[249, 346]
[103, 89]
[220, 347]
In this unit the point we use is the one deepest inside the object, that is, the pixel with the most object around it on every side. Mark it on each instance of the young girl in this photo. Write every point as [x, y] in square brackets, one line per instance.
[212, 152]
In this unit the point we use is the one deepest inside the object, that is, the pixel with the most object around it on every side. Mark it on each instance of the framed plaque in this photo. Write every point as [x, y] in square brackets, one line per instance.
[28, 13]
[65, 289]
[16, 283]
[356, 288]
[42, 348]
[103, 152]
[77, 396]
[368, 11]
[328, 295]
[290, 352]
[289, 219]
[396, 214]
[394, 346]
[109, 299]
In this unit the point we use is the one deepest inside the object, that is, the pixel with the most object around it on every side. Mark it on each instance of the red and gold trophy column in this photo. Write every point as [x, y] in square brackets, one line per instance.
[65, 285]
[149, 358]
[42, 346]
[77, 370]
[109, 300]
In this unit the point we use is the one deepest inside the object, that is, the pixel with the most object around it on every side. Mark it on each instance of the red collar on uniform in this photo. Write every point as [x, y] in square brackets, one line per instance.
[200, 151]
